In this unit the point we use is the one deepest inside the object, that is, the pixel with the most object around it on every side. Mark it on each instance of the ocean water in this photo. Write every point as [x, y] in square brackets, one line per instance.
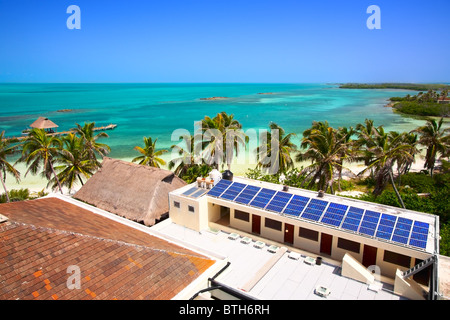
[157, 110]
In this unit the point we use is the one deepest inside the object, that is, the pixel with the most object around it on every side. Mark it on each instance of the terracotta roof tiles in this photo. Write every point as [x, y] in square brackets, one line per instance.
[42, 238]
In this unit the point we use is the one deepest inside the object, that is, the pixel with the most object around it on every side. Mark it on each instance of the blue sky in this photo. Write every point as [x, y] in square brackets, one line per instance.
[224, 41]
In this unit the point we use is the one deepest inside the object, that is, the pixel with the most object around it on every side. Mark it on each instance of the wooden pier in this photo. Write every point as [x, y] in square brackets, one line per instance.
[63, 133]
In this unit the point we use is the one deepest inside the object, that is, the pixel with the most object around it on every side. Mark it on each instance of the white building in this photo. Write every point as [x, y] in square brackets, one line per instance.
[361, 237]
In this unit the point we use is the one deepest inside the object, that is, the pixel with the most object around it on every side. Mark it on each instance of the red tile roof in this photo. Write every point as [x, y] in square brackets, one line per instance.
[43, 237]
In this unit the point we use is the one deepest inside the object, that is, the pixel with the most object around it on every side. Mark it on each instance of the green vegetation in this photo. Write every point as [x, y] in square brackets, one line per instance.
[61, 160]
[422, 104]
[150, 156]
[20, 195]
[404, 86]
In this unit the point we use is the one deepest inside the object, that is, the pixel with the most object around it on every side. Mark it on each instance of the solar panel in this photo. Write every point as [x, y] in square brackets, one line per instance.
[262, 198]
[314, 209]
[386, 226]
[279, 201]
[402, 230]
[233, 191]
[190, 191]
[296, 205]
[334, 214]
[369, 222]
[419, 234]
[353, 219]
[198, 193]
[219, 188]
[247, 194]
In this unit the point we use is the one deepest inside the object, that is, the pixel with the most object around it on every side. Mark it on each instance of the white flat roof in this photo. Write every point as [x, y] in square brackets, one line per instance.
[286, 279]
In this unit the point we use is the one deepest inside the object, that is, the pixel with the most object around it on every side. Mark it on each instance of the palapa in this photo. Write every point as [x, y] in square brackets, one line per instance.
[43, 123]
[136, 192]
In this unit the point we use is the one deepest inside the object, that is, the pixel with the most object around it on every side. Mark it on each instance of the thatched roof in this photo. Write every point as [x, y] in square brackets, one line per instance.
[136, 192]
[43, 123]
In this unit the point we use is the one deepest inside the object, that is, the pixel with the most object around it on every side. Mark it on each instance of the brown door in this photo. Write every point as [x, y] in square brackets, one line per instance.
[256, 224]
[326, 242]
[288, 233]
[369, 256]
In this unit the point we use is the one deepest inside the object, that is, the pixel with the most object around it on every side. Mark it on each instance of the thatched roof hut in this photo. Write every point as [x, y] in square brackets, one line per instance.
[43, 123]
[136, 192]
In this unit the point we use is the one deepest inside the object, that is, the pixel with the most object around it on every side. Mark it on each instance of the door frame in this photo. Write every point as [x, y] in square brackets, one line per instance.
[289, 233]
[369, 256]
[326, 243]
[256, 224]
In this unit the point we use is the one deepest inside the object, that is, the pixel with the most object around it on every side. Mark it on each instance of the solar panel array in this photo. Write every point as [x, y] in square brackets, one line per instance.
[383, 226]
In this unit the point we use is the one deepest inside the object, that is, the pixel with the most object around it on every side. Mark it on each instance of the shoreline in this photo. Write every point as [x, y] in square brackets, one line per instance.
[37, 183]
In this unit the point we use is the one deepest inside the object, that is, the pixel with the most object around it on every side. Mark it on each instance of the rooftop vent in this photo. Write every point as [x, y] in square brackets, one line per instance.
[3, 218]
[321, 194]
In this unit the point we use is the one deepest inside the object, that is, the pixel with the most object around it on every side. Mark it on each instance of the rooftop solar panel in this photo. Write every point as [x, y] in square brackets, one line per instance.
[296, 205]
[247, 194]
[198, 193]
[369, 222]
[190, 191]
[314, 210]
[419, 234]
[334, 214]
[262, 198]
[219, 188]
[386, 226]
[402, 230]
[279, 201]
[353, 219]
[232, 192]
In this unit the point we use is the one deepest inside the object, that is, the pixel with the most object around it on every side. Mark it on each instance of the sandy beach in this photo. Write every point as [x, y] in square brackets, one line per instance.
[37, 183]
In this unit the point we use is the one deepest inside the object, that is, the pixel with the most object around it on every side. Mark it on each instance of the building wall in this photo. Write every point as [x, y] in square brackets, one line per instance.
[314, 247]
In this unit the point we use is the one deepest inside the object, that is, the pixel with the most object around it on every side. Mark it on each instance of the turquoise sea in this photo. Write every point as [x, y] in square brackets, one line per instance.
[157, 110]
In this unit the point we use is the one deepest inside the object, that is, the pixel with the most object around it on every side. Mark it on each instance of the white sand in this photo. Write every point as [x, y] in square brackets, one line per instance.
[37, 183]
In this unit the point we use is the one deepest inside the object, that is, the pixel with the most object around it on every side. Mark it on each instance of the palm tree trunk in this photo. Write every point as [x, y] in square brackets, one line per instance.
[79, 178]
[391, 176]
[4, 187]
[56, 177]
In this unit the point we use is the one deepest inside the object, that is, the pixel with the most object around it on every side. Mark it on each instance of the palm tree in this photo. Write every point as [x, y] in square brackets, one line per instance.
[74, 162]
[327, 149]
[436, 139]
[444, 94]
[39, 147]
[6, 149]
[188, 155]
[224, 137]
[195, 171]
[150, 156]
[386, 149]
[90, 141]
[279, 142]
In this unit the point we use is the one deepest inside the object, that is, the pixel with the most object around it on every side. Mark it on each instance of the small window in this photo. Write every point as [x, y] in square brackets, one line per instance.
[396, 258]
[308, 234]
[176, 204]
[349, 245]
[241, 215]
[272, 224]
[191, 209]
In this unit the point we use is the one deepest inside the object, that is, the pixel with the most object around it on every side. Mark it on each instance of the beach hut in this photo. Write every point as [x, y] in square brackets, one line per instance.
[44, 123]
[136, 192]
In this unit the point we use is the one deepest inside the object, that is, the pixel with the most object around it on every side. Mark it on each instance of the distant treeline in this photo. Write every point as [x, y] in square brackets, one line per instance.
[405, 86]
[423, 104]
